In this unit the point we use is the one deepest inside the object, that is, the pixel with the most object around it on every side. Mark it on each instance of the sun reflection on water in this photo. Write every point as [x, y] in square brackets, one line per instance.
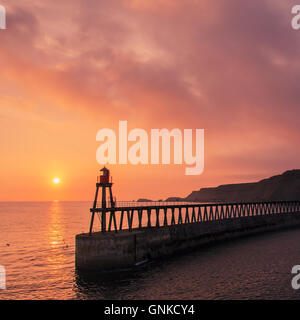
[56, 236]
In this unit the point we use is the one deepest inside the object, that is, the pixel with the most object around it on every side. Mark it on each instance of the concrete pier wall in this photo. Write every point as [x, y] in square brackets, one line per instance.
[110, 250]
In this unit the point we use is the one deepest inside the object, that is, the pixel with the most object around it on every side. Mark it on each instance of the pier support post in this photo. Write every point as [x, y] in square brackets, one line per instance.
[92, 222]
[149, 218]
[94, 207]
[103, 221]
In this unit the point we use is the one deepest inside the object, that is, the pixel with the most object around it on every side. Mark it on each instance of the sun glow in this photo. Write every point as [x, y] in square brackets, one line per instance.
[56, 180]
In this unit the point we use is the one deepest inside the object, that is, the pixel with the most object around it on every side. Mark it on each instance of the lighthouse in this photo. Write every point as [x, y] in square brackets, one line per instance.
[104, 182]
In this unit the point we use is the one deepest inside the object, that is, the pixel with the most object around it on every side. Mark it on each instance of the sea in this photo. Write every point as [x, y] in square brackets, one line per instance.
[37, 251]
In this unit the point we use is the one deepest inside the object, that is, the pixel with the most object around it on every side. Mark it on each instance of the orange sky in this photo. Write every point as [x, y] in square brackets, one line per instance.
[73, 68]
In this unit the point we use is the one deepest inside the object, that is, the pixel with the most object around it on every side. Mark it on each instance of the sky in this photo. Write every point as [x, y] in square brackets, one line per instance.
[72, 67]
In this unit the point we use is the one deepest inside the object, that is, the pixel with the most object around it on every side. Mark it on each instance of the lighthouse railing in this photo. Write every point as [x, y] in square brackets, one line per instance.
[99, 180]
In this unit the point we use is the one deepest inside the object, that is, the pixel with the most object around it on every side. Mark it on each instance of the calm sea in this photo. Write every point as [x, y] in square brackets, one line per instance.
[37, 249]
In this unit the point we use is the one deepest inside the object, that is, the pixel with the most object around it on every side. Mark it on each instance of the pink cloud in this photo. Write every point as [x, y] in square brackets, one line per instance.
[228, 66]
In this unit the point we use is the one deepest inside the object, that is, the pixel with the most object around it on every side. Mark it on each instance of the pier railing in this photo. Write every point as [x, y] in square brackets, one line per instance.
[125, 204]
[124, 216]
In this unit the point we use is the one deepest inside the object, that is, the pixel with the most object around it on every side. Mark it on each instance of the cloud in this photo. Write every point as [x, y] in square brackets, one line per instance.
[228, 66]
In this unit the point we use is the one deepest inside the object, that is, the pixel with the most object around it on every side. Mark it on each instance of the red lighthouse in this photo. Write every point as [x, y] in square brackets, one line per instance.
[104, 182]
[105, 176]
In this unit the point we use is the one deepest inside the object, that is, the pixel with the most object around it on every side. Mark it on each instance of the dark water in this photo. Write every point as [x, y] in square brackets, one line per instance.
[37, 250]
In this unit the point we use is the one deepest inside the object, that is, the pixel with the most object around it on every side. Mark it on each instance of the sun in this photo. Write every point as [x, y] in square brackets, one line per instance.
[56, 180]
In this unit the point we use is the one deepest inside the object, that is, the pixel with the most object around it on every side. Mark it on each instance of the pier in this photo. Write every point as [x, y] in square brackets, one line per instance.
[134, 232]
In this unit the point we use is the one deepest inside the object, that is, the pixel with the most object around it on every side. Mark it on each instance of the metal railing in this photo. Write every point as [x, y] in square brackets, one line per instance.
[174, 213]
[130, 204]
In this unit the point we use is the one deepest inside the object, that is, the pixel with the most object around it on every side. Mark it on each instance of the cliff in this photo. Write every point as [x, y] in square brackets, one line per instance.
[280, 187]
